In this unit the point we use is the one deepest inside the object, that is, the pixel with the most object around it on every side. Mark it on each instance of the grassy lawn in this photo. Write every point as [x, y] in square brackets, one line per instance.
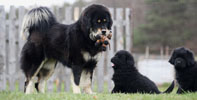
[99, 96]
[6, 95]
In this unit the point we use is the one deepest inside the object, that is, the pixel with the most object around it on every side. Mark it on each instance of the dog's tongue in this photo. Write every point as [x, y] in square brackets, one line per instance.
[112, 64]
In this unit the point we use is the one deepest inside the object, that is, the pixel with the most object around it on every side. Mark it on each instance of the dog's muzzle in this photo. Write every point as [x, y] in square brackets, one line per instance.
[93, 34]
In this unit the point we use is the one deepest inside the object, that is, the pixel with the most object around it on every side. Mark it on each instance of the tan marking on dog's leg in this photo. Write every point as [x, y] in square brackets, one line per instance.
[76, 89]
[38, 70]
[85, 82]
[41, 86]
[30, 87]
[50, 65]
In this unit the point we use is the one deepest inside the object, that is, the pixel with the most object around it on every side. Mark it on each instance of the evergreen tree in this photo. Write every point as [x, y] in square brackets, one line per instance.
[168, 23]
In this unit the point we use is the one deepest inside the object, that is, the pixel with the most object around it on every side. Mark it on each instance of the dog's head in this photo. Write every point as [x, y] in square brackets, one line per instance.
[96, 20]
[182, 58]
[122, 59]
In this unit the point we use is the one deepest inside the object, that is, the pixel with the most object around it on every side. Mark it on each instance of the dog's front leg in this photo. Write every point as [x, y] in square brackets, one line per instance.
[86, 81]
[75, 78]
[115, 90]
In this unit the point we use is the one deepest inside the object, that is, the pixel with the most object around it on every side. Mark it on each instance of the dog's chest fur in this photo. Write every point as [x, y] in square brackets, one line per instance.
[87, 56]
[185, 76]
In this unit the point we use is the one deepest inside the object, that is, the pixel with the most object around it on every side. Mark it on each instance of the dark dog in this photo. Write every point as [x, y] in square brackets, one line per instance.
[185, 68]
[73, 45]
[127, 79]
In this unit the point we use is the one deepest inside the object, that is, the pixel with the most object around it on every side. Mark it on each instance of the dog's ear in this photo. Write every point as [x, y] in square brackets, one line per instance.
[190, 58]
[85, 21]
[130, 61]
[172, 58]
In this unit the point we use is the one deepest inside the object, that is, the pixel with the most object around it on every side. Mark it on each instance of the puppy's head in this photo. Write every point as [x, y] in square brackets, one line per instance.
[182, 58]
[122, 59]
[96, 20]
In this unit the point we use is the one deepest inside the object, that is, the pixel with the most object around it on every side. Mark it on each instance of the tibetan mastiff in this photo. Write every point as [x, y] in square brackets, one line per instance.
[185, 70]
[127, 79]
[49, 42]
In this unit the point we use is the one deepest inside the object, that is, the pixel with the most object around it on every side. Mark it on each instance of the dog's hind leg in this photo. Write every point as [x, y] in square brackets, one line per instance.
[86, 81]
[30, 80]
[41, 85]
[45, 73]
[29, 86]
[32, 59]
[115, 90]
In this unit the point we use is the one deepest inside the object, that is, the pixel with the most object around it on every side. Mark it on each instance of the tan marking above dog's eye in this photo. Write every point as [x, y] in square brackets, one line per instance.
[99, 21]
[104, 20]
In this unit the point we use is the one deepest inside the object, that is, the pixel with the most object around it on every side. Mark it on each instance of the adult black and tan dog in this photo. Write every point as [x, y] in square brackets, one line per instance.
[185, 69]
[127, 79]
[73, 45]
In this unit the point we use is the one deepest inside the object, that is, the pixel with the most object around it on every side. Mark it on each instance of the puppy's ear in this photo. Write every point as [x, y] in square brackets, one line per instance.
[130, 61]
[172, 58]
[190, 58]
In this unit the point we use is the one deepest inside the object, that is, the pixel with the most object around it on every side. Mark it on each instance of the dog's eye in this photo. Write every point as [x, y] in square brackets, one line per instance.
[119, 56]
[104, 20]
[99, 21]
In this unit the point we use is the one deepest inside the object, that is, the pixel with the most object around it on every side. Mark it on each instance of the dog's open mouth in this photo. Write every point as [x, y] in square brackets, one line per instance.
[102, 37]
[112, 64]
[100, 32]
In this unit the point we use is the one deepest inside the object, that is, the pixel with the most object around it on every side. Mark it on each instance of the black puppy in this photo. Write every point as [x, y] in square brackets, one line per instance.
[127, 79]
[185, 68]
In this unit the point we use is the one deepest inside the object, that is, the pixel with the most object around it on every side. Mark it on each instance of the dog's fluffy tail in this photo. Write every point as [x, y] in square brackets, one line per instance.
[37, 20]
[170, 88]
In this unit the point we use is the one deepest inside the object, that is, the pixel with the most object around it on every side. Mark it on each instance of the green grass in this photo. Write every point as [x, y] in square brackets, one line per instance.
[99, 96]
[16, 95]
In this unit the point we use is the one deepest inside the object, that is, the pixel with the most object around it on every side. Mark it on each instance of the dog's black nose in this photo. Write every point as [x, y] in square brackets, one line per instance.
[103, 32]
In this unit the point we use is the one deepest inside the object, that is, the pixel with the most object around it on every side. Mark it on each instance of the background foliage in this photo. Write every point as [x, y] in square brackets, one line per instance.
[168, 23]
